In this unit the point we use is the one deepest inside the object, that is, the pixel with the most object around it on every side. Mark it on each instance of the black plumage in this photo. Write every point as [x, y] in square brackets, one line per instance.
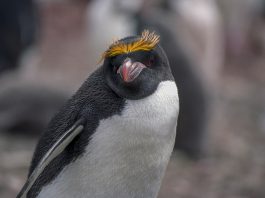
[18, 30]
[92, 102]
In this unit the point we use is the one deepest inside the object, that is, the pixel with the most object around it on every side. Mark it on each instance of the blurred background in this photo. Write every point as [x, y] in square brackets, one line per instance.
[217, 53]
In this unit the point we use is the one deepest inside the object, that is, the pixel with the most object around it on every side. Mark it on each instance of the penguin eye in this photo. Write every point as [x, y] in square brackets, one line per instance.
[150, 61]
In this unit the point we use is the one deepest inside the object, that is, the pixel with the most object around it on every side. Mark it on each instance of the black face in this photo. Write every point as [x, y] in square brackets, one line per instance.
[137, 74]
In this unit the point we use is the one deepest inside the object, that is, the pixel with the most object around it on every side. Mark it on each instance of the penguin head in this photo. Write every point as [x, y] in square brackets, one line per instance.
[134, 66]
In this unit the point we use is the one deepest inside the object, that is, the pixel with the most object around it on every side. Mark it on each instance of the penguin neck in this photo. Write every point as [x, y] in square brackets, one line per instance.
[128, 153]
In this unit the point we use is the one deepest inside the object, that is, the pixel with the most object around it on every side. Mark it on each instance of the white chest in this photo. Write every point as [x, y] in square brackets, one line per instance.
[128, 153]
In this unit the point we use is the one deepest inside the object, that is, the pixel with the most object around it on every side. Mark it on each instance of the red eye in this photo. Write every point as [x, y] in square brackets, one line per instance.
[149, 62]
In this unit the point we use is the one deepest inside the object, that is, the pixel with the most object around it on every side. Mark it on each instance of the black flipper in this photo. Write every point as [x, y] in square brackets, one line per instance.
[53, 152]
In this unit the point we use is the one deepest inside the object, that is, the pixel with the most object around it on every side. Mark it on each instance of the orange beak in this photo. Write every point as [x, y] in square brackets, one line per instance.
[130, 71]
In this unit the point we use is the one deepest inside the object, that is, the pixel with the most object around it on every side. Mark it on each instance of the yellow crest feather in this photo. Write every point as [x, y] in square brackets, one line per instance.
[146, 42]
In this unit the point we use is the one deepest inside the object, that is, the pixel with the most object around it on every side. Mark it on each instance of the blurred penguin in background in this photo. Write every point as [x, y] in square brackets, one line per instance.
[18, 27]
[192, 91]
[26, 106]
[202, 34]
[241, 17]
[119, 18]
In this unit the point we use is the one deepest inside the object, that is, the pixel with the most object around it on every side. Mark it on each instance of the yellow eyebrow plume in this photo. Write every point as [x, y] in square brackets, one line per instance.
[146, 42]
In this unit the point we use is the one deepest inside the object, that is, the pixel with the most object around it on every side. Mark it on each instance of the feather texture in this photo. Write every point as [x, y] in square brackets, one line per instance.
[146, 42]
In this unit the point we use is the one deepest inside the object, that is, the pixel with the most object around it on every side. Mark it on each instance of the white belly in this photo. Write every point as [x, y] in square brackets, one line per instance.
[127, 155]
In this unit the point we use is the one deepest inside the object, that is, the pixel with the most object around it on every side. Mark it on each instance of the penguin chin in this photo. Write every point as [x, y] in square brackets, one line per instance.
[141, 87]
